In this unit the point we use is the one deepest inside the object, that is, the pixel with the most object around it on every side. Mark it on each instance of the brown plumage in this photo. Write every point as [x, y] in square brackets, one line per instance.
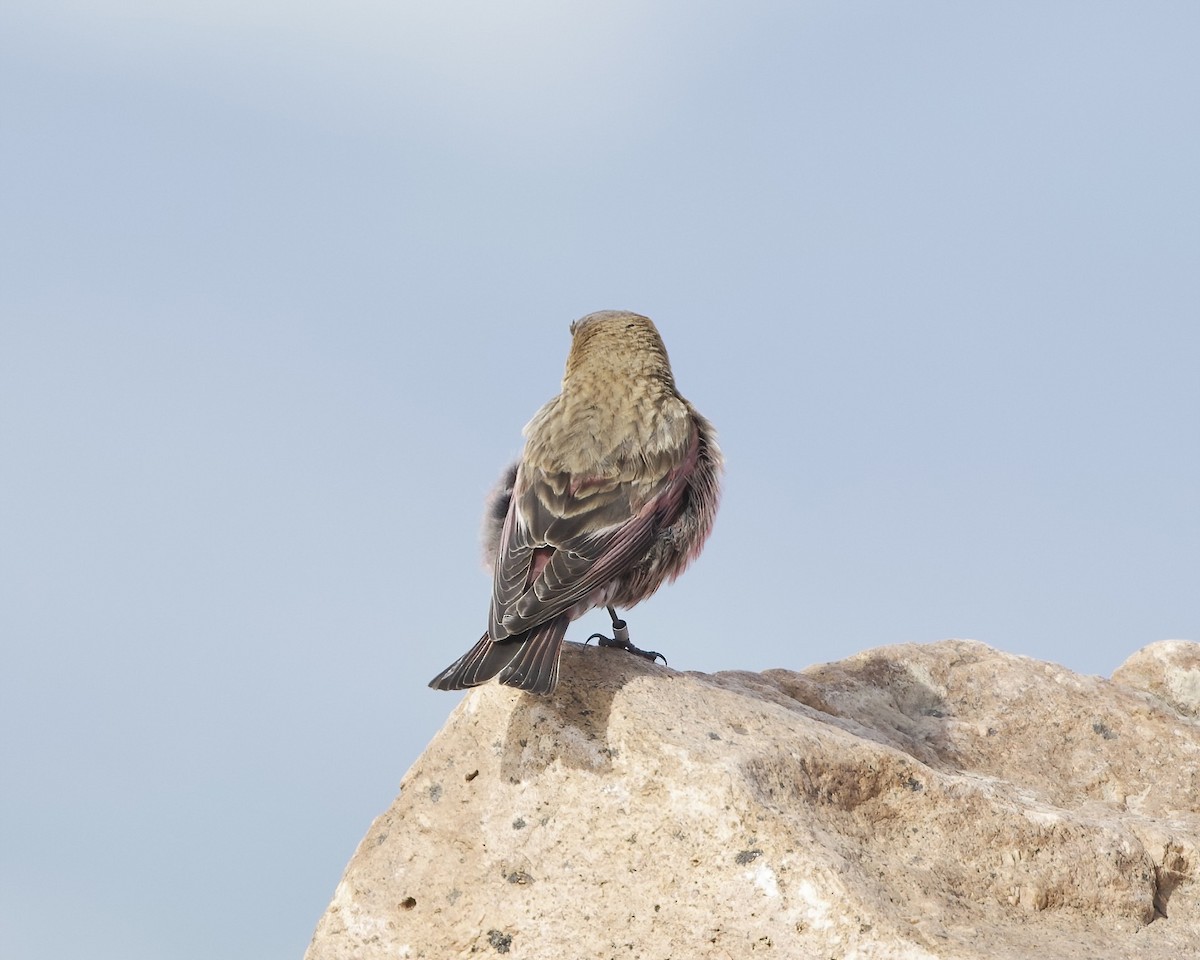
[614, 494]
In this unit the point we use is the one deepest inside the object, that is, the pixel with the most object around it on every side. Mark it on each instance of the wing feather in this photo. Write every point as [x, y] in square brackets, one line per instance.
[588, 533]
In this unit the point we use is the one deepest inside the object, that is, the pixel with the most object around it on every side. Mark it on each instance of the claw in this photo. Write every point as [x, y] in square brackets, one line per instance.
[603, 641]
[621, 639]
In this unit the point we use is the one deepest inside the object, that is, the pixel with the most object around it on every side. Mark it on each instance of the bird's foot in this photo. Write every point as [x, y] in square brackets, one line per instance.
[603, 641]
[621, 629]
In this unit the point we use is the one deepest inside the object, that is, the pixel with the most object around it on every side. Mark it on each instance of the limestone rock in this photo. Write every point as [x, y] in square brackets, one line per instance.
[1169, 670]
[938, 801]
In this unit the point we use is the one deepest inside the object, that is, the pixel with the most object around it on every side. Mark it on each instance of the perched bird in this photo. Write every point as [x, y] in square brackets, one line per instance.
[614, 494]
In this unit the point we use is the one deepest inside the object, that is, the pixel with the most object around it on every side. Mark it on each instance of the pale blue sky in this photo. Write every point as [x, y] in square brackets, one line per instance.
[280, 288]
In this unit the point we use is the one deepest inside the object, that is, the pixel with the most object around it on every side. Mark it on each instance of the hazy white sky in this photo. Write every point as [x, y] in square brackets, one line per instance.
[282, 284]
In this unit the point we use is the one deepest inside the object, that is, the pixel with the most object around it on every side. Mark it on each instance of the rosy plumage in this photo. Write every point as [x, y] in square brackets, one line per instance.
[614, 494]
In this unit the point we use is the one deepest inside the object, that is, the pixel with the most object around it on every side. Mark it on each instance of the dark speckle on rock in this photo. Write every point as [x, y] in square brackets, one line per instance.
[519, 823]
[520, 876]
[500, 942]
[747, 856]
[713, 736]
[1104, 730]
[915, 785]
[435, 793]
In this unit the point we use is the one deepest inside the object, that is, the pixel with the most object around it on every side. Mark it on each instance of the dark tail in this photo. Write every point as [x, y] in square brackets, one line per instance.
[528, 661]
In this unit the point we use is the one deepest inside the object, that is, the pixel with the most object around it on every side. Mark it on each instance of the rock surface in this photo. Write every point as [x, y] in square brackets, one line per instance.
[1169, 670]
[937, 801]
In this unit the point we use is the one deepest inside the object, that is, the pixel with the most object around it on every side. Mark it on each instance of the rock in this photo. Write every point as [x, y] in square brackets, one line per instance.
[937, 801]
[1169, 670]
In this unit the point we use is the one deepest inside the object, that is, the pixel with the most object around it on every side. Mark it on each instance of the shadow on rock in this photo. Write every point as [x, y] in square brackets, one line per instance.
[571, 725]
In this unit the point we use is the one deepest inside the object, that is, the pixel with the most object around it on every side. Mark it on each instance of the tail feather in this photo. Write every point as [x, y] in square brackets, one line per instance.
[535, 667]
[478, 665]
[528, 661]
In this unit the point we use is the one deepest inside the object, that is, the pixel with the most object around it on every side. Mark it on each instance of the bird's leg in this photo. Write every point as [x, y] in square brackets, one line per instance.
[620, 638]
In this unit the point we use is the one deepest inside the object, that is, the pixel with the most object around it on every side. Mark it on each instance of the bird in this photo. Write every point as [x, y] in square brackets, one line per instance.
[615, 493]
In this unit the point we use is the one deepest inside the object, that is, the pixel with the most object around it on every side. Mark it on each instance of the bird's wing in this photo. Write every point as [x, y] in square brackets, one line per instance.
[562, 540]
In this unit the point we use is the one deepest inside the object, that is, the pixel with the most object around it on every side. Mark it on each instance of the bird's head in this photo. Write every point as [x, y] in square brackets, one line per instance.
[619, 346]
